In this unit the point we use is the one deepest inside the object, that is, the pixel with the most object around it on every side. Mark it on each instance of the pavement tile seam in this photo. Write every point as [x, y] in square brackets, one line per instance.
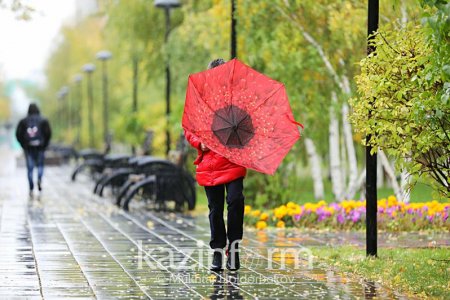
[64, 266]
[91, 283]
[22, 218]
[338, 279]
[183, 233]
[143, 250]
[174, 247]
[143, 289]
[381, 290]
[303, 273]
[96, 200]
[72, 204]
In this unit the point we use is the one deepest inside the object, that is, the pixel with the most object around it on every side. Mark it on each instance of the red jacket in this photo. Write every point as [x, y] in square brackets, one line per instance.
[212, 168]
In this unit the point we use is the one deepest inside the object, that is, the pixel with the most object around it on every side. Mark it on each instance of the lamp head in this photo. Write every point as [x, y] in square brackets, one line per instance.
[167, 3]
[104, 55]
[88, 68]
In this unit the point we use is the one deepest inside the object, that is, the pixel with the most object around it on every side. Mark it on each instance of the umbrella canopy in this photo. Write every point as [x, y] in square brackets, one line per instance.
[241, 114]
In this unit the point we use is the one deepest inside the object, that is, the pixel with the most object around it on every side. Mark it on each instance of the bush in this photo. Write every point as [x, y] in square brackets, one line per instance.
[403, 102]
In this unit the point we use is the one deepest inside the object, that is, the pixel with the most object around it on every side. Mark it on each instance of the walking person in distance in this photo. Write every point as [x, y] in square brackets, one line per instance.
[34, 133]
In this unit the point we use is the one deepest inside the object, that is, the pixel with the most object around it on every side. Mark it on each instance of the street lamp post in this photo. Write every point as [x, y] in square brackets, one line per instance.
[371, 159]
[233, 30]
[135, 82]
[89, 69]
[135, 92]
[79, 107]
[167, 5]
[103, 56]
[61, 95]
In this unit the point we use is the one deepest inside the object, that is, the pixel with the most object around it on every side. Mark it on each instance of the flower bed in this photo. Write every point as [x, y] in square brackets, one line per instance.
[392, 215]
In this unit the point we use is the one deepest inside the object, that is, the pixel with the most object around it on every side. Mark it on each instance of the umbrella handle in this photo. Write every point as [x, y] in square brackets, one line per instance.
[296, 123]
[299, 124]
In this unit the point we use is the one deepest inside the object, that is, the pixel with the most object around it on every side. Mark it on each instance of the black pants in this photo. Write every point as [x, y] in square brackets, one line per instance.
[235, 218]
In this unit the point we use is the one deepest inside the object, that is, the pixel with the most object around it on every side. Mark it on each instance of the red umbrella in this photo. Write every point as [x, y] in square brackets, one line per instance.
[241, 114]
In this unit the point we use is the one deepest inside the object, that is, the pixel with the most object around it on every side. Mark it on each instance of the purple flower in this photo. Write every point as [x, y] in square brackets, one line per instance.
[356, 216]
[334, 205]
[297, 217]
[340, 219]
[321, 217]
[430, 218]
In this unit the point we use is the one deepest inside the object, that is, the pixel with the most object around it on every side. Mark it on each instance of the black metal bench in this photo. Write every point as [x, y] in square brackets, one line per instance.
[92, 160]
[117, 170]
[157, 182]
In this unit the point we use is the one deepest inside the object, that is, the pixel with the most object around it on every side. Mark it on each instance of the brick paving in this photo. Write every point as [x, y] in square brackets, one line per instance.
[69, 243]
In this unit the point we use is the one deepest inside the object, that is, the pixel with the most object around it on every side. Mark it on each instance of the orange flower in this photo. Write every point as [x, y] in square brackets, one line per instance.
[280, 212]
[255, 213]
[264, 216]
[261, 225]
[280, 224]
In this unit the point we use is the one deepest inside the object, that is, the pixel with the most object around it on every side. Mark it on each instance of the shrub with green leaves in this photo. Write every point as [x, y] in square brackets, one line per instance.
[403, 102]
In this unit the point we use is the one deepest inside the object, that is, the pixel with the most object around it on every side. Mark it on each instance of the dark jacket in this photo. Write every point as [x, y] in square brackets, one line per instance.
[44, 128]
[212, 168]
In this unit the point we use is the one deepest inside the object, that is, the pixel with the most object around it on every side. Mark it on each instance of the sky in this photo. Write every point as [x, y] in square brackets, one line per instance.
[25, 45]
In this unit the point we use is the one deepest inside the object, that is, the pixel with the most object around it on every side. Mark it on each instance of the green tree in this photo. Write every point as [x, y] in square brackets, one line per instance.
[135, 34]
[404, 88]
[77, 46]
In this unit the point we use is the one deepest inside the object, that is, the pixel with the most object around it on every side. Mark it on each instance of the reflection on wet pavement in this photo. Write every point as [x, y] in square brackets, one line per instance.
[70, 243]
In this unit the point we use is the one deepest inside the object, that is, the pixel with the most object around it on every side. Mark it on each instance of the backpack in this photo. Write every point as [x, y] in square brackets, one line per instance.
[33, 136]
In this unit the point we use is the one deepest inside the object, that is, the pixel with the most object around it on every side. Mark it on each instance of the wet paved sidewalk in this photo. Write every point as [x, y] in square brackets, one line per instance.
[70, 243]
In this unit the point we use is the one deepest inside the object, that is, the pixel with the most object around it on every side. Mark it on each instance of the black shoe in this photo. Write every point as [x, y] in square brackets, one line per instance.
[39, 186]
[233, 263]
[216, 262]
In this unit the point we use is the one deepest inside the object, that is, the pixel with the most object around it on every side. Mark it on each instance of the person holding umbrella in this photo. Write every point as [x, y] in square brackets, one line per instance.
[236, 118]
[217, 174]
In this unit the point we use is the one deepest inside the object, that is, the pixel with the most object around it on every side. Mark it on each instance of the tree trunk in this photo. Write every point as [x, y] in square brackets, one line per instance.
[380, 174]
[315, 165]
[390, 173]
[350, 146]
[404, 185]
[405, 178]
[404, 14]
[352, 189]
[335, 158]
[344, 85]
[344, 165]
